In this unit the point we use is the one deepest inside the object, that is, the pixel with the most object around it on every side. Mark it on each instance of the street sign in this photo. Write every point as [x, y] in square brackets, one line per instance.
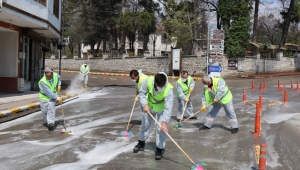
[215, 58]
[216, 47]
[232, 64]
[216, 42]
[215, 69]
[216, 52]
[218, 31]
[217, 36]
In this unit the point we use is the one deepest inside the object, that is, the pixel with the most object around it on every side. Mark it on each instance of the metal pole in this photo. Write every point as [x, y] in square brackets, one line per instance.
[59, 66]
[207, 49]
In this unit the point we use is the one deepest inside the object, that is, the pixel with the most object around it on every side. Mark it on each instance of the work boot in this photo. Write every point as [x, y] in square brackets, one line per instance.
[45, 124]
[139, 147]
[50, 127]
[85, 85]
[234, 130]
[204, 128]
[194, 117]
[159, 153]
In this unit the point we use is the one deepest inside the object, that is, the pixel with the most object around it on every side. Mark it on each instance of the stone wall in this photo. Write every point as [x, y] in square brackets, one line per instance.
[152, 65]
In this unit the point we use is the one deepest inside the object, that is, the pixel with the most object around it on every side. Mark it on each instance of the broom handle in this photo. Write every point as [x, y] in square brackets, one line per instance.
[173, 140]
[62, 111]
[184, 110]
[196, 113]
[130, 115]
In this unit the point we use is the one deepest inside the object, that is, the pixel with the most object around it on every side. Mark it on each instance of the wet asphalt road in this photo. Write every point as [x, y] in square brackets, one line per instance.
[101, 113]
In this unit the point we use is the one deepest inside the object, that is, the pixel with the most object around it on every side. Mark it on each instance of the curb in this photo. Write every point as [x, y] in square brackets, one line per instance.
[15, 110]
[117, 74]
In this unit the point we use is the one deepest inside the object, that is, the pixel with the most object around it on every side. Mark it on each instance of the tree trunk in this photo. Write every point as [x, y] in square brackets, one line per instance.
[255, 20]
[79, 49]
[104, 47]
[145, 43]
[287, 22]
[154, 47]
[71, 47]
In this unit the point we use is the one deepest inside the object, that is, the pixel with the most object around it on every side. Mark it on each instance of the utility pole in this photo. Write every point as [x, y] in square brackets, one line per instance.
[123, 37]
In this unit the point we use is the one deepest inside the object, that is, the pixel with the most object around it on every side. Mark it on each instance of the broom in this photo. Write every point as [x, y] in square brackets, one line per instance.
[179, 125]
[196, 113]
[64, 123]
[196, 166]
[126, 132]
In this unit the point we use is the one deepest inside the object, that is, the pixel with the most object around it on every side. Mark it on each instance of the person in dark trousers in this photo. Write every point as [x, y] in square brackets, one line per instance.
[159, 102]
[216, 91]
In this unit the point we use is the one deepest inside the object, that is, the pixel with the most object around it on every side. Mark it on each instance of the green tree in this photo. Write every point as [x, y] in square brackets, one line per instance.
[179, 20]
[91, 21]
[236, 16]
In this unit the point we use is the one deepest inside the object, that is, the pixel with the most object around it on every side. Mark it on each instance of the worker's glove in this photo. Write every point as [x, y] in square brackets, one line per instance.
[136, 92]
[187, 100]
[58, 88]
[216, 101]
[135, 99]
[190, 90]
[59, 100]
[203, 108]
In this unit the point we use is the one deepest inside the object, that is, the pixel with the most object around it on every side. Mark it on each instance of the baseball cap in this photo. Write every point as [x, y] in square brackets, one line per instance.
[48, 69]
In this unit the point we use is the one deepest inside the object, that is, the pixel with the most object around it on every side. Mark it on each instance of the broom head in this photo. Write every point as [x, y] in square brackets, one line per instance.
[178, 125]
[198, 166]
[126, 133]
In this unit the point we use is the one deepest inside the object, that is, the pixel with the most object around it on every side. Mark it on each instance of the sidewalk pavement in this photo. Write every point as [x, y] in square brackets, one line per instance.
[11, 104]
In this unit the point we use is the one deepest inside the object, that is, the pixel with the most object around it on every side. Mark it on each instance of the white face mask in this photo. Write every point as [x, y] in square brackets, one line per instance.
[205, 85]
[160, 89]
[133, 80]
[85, 64]
[183, 80]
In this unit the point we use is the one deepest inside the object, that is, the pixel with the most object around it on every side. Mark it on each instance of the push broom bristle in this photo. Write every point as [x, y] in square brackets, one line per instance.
[66, 132]
[126, 133]
[198, 166]
[178, 125]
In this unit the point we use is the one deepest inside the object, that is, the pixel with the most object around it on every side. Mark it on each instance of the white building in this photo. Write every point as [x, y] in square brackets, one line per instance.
[157, 40]
[24, 25]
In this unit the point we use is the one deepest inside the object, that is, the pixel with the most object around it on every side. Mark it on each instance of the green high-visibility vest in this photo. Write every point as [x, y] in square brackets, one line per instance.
[85, 69]
[52, 87]
[185, 88]
[141, 79]
[227, 94]
[157, 102]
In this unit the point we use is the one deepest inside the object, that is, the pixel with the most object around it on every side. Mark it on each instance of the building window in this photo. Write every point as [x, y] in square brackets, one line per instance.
[44, 2]
[56, 8]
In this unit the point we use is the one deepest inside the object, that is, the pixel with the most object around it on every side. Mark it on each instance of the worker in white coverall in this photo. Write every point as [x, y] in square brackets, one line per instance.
[216, 91]
[156, 98]
[84, 71]
[184, 86]
[49, 86]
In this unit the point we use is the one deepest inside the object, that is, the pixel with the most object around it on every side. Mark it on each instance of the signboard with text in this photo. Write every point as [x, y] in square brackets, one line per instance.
[215, 69]
[216, 42]
[216, 58]
[232, 64]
